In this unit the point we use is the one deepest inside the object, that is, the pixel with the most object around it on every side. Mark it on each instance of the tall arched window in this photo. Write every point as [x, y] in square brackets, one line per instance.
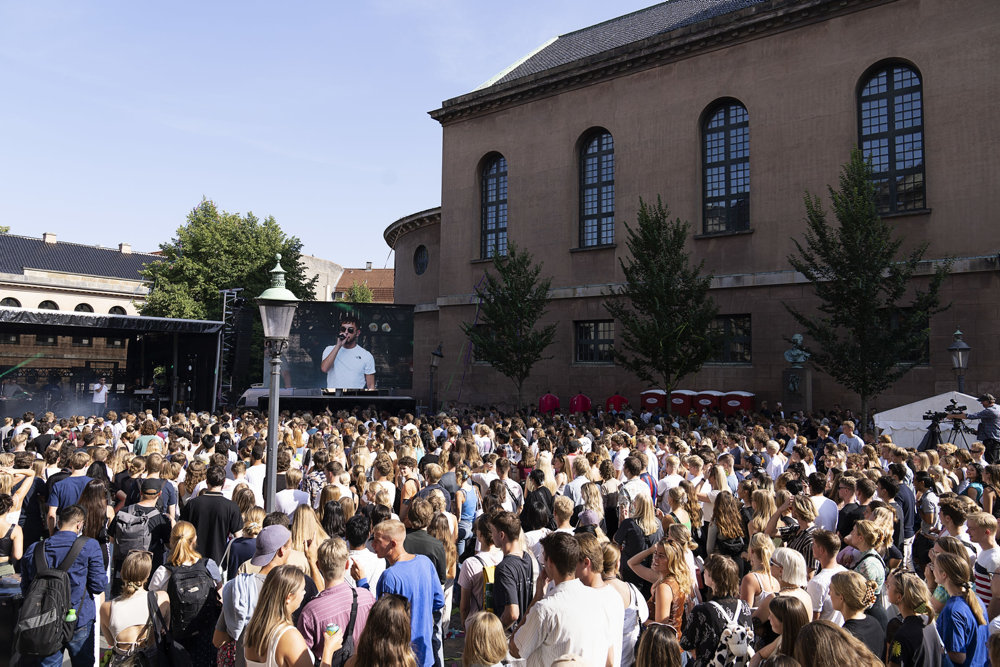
[891, 135]
[597, 189]
[84, 308]
[10, 302]
[493, 239]
[725, 138]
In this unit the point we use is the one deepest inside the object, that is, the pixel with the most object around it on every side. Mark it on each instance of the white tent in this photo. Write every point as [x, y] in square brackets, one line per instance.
[906, 424]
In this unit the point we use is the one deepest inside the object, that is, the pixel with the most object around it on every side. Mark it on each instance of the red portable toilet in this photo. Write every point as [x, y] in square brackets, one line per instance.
[747, 400]
[680, 401]
[707, 400]
[652, 399]
[732, 402]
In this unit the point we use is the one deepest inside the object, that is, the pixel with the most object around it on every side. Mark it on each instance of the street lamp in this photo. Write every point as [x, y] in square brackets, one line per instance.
[436, 356]
[277, 308]
[959, 358]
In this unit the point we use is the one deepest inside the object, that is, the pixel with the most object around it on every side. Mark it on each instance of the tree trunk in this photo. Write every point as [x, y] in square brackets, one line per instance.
[863, 422]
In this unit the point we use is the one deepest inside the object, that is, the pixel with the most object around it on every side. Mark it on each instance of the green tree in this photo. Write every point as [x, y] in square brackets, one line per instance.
[861, 279]
[663, 306]
[512, 300]
[4, 229]
[359, 293]
[217, 250]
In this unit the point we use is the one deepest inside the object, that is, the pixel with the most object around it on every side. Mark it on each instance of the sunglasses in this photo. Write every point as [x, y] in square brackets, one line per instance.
[347, 329]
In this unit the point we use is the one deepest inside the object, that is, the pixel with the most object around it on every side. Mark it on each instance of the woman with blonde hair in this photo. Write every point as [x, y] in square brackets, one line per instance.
[763, 506]
[241, 549]
[962, 623]
[306, 531]
[866, 537]
[789, 568]
[910, 595]
[485, 641]
[824, 644]
[677, 500]
[758, 583]
[851, 594]
[124, 619]
[637, 534]
[271, 638]
[196, 634]
[670, 581]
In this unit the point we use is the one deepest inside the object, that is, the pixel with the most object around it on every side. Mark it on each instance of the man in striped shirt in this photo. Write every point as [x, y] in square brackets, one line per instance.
[983, 531]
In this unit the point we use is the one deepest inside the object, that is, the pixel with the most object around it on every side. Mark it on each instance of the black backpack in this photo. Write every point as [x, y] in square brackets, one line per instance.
[341, 656]
[42, 628]
[194, 602]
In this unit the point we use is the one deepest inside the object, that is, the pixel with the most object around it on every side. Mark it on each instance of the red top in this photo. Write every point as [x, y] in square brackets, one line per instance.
[548, 403]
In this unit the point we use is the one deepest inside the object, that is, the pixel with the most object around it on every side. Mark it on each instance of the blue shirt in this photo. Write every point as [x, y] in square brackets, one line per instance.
[86, 574]
[417, 581]
[961, 633]
[989, 423]
[67, 491]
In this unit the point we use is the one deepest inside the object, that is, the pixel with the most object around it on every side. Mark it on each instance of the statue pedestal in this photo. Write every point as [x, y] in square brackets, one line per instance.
[796, 389]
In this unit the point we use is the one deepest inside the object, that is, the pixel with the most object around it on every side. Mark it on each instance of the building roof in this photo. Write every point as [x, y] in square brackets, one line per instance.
[18, 253]
[380, 281]
[617, 32]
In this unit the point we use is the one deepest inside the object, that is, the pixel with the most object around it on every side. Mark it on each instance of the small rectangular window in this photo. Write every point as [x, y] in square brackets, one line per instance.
[115, 342]
[594, 342]
[734, 332]
[46, 341]
[83, 341]
[10, 339]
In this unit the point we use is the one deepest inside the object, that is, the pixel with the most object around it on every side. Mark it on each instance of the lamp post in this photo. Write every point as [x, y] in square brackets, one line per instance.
[277, 308]
[959, 350]
[436, 356]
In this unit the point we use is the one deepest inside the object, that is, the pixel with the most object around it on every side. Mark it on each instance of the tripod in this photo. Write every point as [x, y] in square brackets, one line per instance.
[956, 435]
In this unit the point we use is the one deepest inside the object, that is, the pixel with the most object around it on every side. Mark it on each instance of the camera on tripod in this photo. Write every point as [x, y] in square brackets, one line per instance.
[950, 411]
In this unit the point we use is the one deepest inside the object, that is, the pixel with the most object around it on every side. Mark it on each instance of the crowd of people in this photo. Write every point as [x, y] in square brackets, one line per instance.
[594, 538]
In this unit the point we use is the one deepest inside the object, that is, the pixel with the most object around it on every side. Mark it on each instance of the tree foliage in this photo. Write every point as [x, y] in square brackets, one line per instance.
[862, 281]
[4, 229]
[217, 250]
[512, 300]
[663, 306]
[359, 293]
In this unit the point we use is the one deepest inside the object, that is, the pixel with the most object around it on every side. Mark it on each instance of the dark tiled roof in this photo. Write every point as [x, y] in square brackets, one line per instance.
[618, 32]
[18, 253]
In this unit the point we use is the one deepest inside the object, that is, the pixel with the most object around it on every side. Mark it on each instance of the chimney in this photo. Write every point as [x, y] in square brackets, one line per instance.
[125, 248]
[368, 266]
[49, 237]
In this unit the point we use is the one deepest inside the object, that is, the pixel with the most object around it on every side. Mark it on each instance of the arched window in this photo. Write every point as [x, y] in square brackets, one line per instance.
[84, 308]
[725, 138]
[494, 207]
[891, 135]
[10, 302]
[597, 189]
[48, 305]
[117, 310]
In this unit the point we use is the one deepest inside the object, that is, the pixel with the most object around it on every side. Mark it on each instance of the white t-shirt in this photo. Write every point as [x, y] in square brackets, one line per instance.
[827, 514]
[613, 606]
[288, 500]
[371, 564]
[255, 479]
[100, 393]
[570, 619]
[818, 589]
[349, 368]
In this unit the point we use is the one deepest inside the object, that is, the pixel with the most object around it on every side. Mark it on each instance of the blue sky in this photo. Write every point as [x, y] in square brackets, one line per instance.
[118, 117]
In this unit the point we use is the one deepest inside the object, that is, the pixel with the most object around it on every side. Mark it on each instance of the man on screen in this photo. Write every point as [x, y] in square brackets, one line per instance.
[348, 365]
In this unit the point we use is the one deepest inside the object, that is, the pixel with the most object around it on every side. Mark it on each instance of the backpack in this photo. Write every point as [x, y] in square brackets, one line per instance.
[193, 598]
[133, 532]
[489, 574]
[735, 641]
[42, 628]
[347, 650]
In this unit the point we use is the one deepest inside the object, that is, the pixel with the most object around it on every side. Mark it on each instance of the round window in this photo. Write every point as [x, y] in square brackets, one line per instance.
[420, 259]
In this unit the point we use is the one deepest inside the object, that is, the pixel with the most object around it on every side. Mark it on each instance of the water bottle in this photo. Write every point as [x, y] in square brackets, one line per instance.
[71, 615]
[332, 629]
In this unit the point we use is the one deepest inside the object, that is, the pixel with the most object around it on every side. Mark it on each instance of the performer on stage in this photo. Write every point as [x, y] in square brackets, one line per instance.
[348, 365]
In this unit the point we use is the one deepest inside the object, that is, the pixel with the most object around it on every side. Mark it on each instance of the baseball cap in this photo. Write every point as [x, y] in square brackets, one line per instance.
[269, 541]
[589, 518]
[151, 486]
[987, 397]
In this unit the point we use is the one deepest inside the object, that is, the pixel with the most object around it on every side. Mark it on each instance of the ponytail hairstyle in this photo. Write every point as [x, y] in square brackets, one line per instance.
[858, 593]
[957, 571]
[913, 592]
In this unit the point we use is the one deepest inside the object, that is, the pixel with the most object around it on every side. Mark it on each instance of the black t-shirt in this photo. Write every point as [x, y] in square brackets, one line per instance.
[851, 514]
[449, 482]
[632, 540]
[512, 583]
[869, 630]
[51, 482]
[908, 501]
[423, 543]
[159, 533]
[215, 517]
[906, 641]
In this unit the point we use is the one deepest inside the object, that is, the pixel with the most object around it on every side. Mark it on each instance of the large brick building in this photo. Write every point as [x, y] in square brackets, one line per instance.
[731, 110]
